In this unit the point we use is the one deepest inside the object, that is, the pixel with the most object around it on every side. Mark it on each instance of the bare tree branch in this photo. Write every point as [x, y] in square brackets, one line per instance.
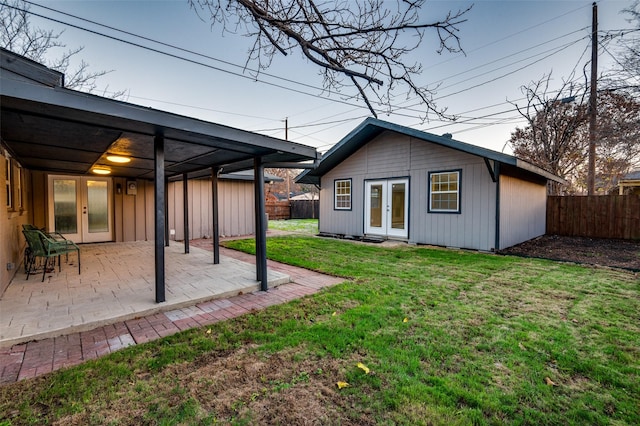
[18, 36]
[556, 136]
[364, 41]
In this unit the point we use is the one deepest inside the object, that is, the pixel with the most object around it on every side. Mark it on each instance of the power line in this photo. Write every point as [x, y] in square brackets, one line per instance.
[311, 124]
[509, 73]
[182, 49]
[131, 43]
[512, 35]
[527, 49]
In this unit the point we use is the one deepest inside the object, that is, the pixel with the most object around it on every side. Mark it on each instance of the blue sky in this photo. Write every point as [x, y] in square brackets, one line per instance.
[507, 44]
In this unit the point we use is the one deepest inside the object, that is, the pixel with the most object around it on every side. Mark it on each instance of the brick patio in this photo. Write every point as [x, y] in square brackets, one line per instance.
[34, 358]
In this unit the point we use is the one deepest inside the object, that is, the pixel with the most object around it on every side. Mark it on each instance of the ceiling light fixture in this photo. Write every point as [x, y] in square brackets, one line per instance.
[100, 171]
[118, 159]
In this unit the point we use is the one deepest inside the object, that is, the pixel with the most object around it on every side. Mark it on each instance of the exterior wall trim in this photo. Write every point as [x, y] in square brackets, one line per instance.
[429, 173]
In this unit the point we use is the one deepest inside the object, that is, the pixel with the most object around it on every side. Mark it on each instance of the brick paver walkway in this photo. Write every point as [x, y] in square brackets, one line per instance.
[35, 358]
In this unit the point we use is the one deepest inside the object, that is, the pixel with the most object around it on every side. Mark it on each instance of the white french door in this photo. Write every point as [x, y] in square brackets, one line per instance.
[387, 207]
[81, 208]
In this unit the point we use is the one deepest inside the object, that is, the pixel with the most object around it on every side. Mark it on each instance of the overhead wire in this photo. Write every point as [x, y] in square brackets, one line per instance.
[193, 52]
[172, 55]
[510, 35]
[527, 49]
[332, 124]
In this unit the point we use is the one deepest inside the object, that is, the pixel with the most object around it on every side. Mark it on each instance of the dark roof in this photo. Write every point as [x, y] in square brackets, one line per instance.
[370, 128]
[635, 175]
[47, 127]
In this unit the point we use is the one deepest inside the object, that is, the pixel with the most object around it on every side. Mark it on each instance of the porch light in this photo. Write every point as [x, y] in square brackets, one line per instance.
[100, 171]
[118, 159]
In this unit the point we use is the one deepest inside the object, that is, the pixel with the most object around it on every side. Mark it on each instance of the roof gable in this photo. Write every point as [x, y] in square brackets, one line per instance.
[370, 128]
[29, 70]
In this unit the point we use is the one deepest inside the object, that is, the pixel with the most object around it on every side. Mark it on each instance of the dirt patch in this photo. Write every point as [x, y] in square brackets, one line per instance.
[592, 251]
[242, 387]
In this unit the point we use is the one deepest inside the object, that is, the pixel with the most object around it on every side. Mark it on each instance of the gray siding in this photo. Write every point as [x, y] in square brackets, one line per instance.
[236, 208]
[523, 207]
[394, 155]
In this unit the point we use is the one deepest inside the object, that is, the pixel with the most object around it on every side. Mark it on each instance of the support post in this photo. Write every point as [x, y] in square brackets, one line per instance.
[185, 202]
[159, 198]
[214, 208]
[496, 171]
[261, 225]
[166, 212]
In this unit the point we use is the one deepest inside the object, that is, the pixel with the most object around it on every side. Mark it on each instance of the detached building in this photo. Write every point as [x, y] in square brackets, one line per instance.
[385, 181]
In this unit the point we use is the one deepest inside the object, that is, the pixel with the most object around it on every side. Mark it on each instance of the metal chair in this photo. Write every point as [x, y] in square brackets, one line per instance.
[44, 246]
[55, 235]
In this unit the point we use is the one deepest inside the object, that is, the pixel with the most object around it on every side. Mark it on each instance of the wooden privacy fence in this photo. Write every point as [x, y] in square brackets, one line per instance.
[305, 209]
[278, 210]
[598, 216]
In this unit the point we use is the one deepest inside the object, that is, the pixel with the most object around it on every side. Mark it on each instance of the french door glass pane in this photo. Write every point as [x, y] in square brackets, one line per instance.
[376, 206]
[97, 206]
[65, 208]
[397, 205]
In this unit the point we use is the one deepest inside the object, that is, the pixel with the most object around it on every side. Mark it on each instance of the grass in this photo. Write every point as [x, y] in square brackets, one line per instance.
[449, 337]
[302, 226]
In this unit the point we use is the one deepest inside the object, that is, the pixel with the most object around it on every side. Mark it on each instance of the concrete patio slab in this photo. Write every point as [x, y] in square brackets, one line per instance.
[117, 284]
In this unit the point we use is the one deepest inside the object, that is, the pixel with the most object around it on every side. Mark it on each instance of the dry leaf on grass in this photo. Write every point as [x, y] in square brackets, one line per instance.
[363, 368]
[342, 385]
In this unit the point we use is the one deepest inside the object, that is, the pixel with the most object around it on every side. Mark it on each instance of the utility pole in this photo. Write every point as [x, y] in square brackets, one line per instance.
[286, 128]
[286, 138]
[591, 173]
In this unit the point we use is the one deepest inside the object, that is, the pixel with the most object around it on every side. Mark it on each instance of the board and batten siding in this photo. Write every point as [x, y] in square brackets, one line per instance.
[393, 155]
[132, 214]
[236, 208]
[523, 207]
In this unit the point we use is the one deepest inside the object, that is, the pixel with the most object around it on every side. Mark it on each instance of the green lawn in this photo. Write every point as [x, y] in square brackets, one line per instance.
[302, 226]
[448, 337]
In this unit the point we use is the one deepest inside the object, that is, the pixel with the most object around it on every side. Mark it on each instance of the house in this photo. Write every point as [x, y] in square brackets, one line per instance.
[385, 181]
[306, 196]
[98, 169]
[631, 181]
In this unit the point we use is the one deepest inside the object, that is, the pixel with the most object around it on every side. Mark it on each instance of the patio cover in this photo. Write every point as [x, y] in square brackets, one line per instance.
[47, 127]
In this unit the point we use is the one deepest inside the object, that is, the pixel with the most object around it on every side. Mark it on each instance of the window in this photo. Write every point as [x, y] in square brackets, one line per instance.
[20, 188]
[342, 192]
[444, 196]
[8, 181]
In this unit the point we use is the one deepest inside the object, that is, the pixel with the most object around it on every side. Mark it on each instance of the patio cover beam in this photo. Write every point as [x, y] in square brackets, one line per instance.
[159, 216]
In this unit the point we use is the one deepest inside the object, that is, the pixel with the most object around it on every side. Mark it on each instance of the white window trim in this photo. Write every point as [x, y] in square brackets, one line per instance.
[336, 195]
[457, 191]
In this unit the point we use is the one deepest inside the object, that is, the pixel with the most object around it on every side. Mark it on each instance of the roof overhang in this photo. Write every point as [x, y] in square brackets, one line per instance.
[370, 128]
[243, 175]
[59, 130]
